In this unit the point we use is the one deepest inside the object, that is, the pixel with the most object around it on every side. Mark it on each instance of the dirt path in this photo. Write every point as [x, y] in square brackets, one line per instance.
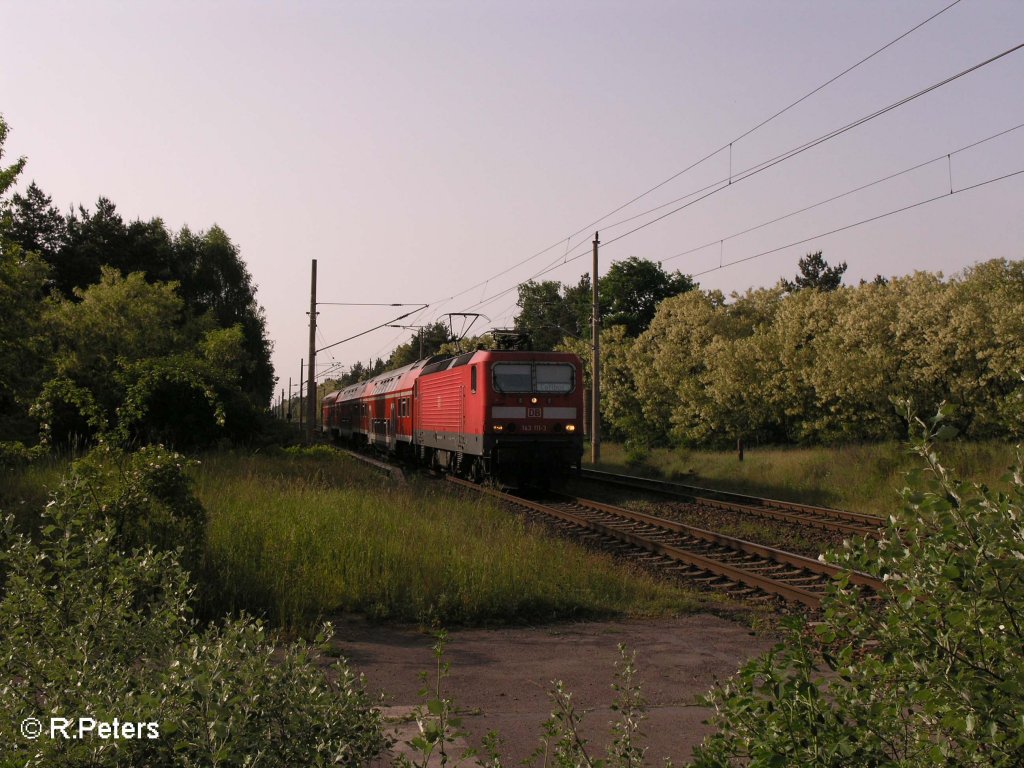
[500, 678]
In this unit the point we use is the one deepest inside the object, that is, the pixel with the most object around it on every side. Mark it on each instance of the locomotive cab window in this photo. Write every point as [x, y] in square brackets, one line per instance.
[556, 378]
[513, 377]
[550, 378]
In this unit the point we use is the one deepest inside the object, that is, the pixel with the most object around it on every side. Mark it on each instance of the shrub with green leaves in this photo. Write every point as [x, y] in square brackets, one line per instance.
[930, 673]
[15, 454]
[91, 627]
[146, 496]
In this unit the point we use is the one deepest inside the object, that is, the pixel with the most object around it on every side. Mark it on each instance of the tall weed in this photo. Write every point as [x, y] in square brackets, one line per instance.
[306, 540]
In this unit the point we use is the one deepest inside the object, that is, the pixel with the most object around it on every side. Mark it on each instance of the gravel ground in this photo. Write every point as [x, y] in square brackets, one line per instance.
[500, 678]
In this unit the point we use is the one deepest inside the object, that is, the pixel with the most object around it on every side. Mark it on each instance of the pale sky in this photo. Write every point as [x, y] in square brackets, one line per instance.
[419, 149]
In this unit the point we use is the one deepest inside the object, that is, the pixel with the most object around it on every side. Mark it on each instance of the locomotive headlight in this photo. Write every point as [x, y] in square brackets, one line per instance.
[533, 400]
[570, 427]
[498, 427]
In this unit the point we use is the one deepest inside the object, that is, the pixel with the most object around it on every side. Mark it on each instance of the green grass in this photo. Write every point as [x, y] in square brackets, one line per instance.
[863, 478]
[299, 536]
[25, 490]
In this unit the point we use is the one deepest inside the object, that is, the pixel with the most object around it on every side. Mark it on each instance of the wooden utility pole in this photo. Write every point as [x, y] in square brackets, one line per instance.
[301, 382]
[311, 375]
[595, 400]
[289, 400]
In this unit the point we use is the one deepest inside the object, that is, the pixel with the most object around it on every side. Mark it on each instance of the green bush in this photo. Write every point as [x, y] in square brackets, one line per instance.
[15, 454]
[930, 673]
[145, 495]
[90, 629]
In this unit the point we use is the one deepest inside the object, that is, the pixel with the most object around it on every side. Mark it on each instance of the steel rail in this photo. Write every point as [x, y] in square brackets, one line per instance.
[731, 542]
[736, 574]
[820, 517]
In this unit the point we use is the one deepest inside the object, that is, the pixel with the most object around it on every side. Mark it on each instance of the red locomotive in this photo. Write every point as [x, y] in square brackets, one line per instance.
[510, 414]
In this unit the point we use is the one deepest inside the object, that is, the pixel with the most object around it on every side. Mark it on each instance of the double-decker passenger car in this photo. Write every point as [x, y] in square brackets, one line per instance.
[510, 414]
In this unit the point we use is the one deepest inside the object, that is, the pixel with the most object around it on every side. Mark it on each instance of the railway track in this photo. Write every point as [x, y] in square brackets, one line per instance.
[738, 566]
[839, 520]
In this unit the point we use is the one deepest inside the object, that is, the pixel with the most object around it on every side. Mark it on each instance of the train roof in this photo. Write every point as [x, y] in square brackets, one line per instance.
[496, 355]
[389, 381]
[403, 378]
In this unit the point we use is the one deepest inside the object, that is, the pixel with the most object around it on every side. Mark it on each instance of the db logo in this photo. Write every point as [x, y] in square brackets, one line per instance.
[533, 413]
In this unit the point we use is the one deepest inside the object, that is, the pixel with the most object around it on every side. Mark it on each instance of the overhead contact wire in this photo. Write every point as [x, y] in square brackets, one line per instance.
[764, 122]
[763, 166]
[756, 169]
[849, 192]
[905, 208]
[690, 167]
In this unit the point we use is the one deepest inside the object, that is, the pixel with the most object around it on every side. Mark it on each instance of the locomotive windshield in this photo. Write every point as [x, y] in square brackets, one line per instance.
[550, 378]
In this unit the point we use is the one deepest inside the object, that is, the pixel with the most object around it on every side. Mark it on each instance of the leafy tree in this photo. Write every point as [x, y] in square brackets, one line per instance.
[632, 289]
[79, 245]
[667, 359]
[620, 407]
[357, 372]
[740, 363]
[856, 369]
[878, 280]
[804, 319]
[94, 240]
[101, 326]
[923, 351]
[23, 278]
[630, 293]
[815, 272]
[212, 279]
[36, 225]
[171, 400]
[215, 280]
[117, 321]
[811, 366]
[22, 283]
[985, 330]
[128, 362]
[579, 304]
[483, 341]
[673, 368]
[540, 313]
[9, 174]
[739, 391]
[425, 342]
[551, 312]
